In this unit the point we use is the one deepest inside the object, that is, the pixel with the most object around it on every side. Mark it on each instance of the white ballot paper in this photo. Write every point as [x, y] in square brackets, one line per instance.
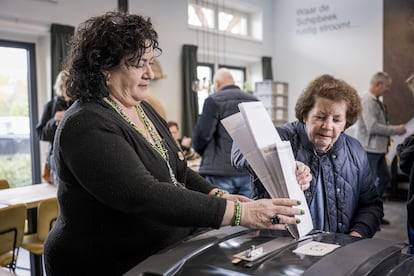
[271, 159]
[398, 139]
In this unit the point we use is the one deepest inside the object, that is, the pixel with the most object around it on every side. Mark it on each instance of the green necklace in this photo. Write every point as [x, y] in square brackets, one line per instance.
[156, 142]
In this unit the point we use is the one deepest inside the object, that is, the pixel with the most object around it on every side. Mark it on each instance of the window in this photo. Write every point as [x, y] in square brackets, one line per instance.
[204, 84]
[233, 23]
[236, 19]
[18, 146]
[205, 72]
[239, 75]
[201, 16]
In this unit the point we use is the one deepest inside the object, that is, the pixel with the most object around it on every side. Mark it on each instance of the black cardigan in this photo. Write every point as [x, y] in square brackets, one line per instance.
[117, 202]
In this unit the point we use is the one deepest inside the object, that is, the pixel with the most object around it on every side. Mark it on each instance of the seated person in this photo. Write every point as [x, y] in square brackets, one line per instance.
[193, 158]
[342, 197]
[184, 142]
[52, 115]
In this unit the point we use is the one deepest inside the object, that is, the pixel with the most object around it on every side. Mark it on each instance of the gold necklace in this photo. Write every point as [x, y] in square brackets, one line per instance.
[158, 145]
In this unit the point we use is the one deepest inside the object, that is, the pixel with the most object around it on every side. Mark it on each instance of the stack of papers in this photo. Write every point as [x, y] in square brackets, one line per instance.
[270, 158]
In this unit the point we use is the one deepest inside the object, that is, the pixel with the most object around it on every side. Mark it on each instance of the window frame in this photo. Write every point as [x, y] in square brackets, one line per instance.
[33, 103]
[251, 14]
[212, 66]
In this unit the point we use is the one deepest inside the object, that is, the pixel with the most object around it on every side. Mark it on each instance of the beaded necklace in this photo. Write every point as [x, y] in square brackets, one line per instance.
[156, 142]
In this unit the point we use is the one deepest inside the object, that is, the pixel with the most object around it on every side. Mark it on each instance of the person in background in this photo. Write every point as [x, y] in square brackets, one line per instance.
[123, 192]
[211, 140]
[374, 131]
[405, 152]
[155, 102]
[342, 197]
[184, 142]
[52, 115]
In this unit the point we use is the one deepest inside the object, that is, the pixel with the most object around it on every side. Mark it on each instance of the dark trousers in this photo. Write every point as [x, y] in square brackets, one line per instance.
[380, 171]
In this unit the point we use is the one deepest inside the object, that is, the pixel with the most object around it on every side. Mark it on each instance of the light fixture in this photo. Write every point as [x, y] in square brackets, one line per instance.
[202, 85]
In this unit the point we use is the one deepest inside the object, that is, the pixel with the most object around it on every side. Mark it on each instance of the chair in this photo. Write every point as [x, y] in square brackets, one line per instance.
[12, 220]
[47, 212]
[4, 184]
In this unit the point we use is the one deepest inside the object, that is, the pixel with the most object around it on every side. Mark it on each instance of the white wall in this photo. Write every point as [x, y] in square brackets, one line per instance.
[352, 53]
[170, 20]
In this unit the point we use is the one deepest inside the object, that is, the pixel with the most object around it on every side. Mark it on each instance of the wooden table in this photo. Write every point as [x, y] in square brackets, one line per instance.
[30, 195]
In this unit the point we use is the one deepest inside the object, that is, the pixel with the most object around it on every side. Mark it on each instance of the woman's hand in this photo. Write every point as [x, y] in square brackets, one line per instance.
[355, 234]
[269, 213]
[264, 213]
[303, 175]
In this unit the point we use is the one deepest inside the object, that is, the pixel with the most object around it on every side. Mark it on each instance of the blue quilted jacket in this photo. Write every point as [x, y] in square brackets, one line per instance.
[352, 201]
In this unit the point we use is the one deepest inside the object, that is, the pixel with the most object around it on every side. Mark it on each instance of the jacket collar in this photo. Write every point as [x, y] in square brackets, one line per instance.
[228, 87]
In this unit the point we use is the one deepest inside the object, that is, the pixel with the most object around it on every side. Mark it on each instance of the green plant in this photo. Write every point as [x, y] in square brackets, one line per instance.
[16, 169]
[247, 87]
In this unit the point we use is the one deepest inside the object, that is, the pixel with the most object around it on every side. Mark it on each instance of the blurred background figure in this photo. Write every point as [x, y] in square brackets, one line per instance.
[374, 131]
[52, 114]
[193, 159]
[156, 103]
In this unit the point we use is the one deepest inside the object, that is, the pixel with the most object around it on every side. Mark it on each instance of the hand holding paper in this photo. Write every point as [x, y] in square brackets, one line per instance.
[271, 158]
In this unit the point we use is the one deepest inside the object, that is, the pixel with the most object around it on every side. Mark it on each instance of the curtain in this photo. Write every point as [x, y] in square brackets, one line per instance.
[123, 5]
[267, 68]
[190, 99]
[60, 36]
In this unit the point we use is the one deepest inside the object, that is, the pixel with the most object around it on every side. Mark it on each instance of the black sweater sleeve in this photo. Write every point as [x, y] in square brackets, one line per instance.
[46, 127]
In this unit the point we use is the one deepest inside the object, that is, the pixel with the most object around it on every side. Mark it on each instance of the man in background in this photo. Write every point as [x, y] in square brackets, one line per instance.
[374, 132]
[211, 140]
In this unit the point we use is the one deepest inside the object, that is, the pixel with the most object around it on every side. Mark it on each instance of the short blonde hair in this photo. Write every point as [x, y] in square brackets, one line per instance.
[61, 79]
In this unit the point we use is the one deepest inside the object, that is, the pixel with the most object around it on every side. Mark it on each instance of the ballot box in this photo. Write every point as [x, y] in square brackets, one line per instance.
[240, 251]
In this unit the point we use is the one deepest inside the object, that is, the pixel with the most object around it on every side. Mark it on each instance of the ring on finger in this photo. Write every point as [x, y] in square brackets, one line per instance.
[275, 219]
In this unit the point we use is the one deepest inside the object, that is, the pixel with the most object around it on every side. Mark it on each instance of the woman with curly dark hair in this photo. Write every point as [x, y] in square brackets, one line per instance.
[124, 189]
[341, 197]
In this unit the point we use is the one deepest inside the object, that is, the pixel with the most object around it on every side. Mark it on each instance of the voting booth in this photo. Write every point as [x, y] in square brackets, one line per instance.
[239, 251]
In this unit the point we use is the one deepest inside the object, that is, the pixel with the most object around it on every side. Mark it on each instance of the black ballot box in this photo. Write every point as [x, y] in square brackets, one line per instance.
[240, 251]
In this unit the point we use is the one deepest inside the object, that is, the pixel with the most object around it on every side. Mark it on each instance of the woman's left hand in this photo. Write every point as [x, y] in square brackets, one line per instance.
[355, 234]
[303, 175]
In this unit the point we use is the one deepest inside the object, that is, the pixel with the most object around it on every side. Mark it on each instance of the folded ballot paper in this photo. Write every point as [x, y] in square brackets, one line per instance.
[271, 159]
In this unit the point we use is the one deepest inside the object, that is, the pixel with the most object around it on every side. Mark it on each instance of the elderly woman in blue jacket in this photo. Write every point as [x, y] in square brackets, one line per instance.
[341, 197]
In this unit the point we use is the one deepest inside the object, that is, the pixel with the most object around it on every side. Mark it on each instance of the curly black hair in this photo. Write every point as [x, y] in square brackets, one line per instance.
[328, 87]
[101, 43]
